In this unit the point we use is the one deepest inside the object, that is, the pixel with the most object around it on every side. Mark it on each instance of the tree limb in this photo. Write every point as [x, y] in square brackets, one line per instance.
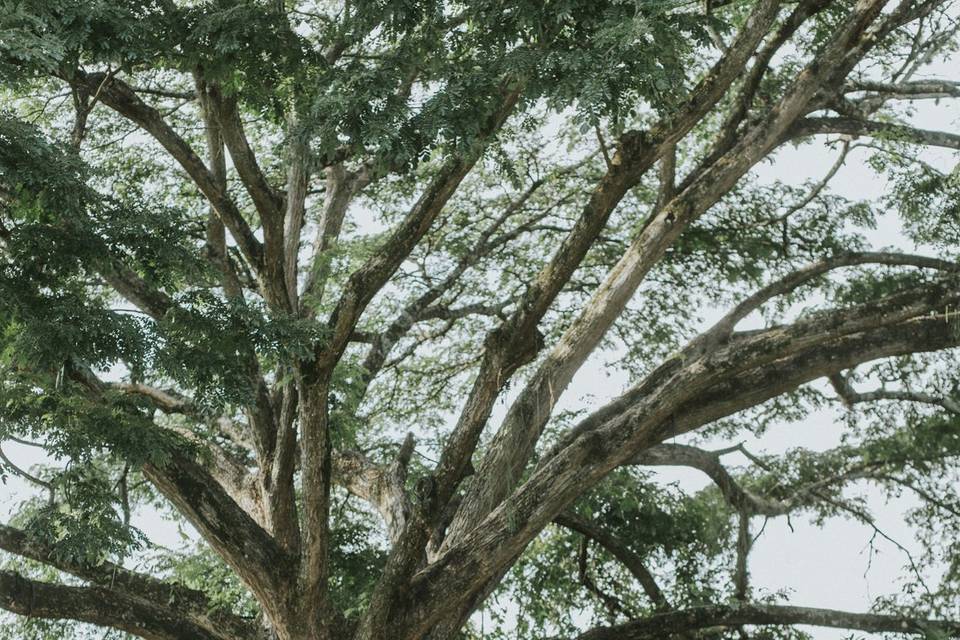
[121, 98]
[888, 130]
[620, 551]
[104, 607]
[664, 624]
[680, 398]
[178, 598]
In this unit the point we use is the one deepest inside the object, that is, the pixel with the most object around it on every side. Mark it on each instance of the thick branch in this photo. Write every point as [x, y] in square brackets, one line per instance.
[252, 552]
[523, 425]
[381, 486]
[189, 603]
[103, 607]
[681, 397]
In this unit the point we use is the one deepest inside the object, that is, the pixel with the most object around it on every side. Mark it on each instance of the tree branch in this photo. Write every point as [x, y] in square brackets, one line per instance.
[850, 397]
[181, 599]
[621, 552]
[104, 607]
[664, 624]
[680, 397]
[382, 487]
[887, 130]
[514, 442]
[252, 552]
[121, 98]
[791, 281]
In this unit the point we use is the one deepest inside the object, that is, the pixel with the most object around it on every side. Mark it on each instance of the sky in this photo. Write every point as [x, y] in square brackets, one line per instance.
[830, 567]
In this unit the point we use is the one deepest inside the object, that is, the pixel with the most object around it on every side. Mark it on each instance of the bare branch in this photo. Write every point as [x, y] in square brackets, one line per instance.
[790, 282]
[888, 130]
[913, 90]
[850, 397]
[382, 487]
[621, 552]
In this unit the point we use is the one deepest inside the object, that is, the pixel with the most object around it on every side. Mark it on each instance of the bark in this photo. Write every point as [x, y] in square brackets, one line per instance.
[884, 130]
[249, 549]
[121, 98]
[501, 467]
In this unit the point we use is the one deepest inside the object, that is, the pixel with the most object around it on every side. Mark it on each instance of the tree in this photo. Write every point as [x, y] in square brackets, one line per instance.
[274, 268]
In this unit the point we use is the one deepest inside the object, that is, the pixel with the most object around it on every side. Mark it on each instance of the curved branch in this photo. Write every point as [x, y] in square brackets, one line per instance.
[668, 454]
[664, 624]
[849, 396]
[620, 551]
[381, 486]
[515, 441]
[681, 397]
[791, 281]
[252, 552]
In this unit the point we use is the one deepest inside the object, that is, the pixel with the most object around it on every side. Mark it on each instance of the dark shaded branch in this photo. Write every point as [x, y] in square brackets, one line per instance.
[252, 552]
[633, 562]
[104, 607]
[194, 604]
[612, 603]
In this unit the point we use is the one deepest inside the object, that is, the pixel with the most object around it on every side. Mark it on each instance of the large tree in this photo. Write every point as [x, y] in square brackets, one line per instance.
[314, 276]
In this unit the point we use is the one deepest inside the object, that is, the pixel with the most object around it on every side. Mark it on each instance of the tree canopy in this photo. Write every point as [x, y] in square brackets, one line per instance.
[317, 278]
